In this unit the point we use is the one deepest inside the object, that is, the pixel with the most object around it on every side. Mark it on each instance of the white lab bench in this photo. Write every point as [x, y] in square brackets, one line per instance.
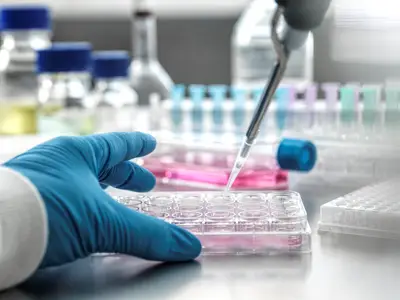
[340, 267]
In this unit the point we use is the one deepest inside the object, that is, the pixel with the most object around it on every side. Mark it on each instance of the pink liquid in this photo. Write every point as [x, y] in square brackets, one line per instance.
[214, 170]
[250, 242]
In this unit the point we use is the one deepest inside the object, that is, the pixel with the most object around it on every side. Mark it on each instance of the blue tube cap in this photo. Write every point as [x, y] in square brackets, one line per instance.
[25, 17]
[110, 64]
[178, 92]
[64, 57]
[297, 155]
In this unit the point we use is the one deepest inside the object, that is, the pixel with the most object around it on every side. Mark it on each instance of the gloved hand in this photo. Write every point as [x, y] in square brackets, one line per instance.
[69, 173]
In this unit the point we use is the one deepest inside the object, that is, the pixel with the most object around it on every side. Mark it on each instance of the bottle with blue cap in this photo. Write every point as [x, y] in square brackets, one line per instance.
[147, 74]
[64, 85]
[24, 29]
[115, 99]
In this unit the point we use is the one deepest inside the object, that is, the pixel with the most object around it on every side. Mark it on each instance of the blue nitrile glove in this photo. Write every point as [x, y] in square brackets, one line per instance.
[69, 173]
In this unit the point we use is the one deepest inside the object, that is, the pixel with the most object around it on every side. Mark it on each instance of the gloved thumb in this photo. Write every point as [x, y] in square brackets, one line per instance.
[130, 232]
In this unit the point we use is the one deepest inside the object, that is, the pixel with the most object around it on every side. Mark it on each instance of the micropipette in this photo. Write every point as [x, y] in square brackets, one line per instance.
[266, 98]
[301, 17]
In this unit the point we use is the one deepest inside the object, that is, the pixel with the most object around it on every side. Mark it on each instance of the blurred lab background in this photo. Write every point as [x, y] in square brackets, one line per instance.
[357, 41]
[191, 68]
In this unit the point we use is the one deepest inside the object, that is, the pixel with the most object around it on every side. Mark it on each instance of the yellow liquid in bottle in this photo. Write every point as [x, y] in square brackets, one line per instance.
[18, 118]
[55, 119]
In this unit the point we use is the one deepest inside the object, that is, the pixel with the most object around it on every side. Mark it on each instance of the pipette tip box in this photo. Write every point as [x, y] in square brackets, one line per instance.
[372, 211]
[237, 223]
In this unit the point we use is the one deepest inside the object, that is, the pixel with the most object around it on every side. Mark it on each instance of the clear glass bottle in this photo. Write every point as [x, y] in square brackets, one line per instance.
[64, 84]
[114, 97]
[24, 29]
[253, 55]
[147, 74]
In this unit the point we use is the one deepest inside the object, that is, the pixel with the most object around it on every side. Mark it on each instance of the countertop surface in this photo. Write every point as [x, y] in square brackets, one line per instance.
[340, 267]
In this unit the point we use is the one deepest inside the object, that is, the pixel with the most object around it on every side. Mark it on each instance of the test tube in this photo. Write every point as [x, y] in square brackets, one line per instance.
[311, 95]
[239, 100]
[218, 95]
[177, 96]
[197, 94]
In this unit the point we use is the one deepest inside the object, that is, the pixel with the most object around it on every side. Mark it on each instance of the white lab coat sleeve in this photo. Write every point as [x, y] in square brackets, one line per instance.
[23, 228]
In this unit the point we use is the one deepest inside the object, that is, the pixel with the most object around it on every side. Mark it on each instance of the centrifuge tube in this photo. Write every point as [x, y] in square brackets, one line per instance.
[357, 90]
[177, 96]
[197, 94]
[348, 105]
[371, 97]
[257, 93]
[311, 95]
[285, 97]
[239, 112]
[331, 94]
[347, 98]
[392, 95]
[218, 96]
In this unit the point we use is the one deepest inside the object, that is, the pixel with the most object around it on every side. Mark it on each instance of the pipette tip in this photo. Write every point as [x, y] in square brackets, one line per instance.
[239, 162]
[232, 178]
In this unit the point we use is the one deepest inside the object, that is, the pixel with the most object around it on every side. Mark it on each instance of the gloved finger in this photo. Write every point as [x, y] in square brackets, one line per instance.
[129, 176]
[129, 232]
[103, 186]
[111, 149]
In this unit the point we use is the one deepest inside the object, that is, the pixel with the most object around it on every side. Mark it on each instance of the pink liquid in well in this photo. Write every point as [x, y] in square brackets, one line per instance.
[214, 170]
